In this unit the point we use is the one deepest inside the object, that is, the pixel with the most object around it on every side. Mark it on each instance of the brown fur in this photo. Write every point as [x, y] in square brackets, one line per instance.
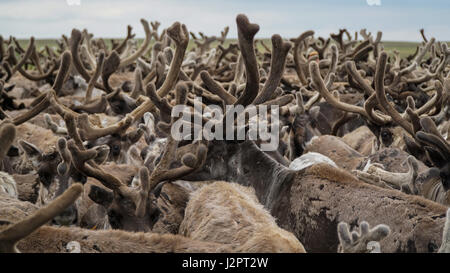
[337, 150]
[230, 213]
[361, 139]
[49, 239]
[320, 197]
[53, 240]
[43, 138]
[171, 202]
[27, 186]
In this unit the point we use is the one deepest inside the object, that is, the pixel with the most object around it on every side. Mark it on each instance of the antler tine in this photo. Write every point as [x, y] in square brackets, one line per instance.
[298, 59]
[141, 203]
[63, 167]
[422, 32]
[85, 161]
[280, 101]
[55, 128]
[25, 56]
[141, 51]
[180, 35]
[138, 85]
[432, 135]
[216, 88]
[33, 77]
[122, 45]
[334, 62]
[190, 162]
[362, 53]
[97, 73]
[75, 40]
[320, 85]
[35, 59]
[280, 50]
[80, 160]
[434, 101]
[413, 116]
[381, 95]
[369, 107]
[423, 51]
[8, 71]
[110, 65]
[41, 103]
[88, 132]
[72, 130]
[351, 70]
[164, 107]
[14, 233]
[63, 71]
[356, 242]
[88, 56]
[246, 34]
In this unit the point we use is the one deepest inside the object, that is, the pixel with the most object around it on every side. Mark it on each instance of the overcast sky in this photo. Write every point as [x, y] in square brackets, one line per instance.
[398, 19]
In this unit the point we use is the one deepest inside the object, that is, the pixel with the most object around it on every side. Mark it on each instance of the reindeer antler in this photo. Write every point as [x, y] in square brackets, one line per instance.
[357, 242]
[10, 236]
[148, 36]
[246, 34]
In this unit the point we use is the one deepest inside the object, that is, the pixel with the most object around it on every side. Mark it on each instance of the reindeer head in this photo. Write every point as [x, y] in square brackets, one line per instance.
[12, 233]
[133, 208]
[437, 150]
[55, 174]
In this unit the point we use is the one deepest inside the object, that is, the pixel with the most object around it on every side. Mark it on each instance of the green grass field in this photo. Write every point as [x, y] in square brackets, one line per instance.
[405, 48]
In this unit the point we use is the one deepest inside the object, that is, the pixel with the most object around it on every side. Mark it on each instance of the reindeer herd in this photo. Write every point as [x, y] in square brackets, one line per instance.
[88, 162]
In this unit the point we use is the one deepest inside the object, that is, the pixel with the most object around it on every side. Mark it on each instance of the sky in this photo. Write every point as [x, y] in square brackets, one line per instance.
[400, 20]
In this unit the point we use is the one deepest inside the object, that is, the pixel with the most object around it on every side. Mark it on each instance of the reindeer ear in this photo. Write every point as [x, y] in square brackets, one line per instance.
[436, 157]
[412, 147]
[102, 154]
[33, 153]
[101, 196]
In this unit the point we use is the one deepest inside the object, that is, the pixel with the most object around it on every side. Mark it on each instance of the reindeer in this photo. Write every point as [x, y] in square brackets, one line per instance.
[28, 234]
[252, 229]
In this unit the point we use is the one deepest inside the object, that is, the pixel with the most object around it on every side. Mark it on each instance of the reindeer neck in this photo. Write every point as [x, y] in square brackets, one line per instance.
[245, 164]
